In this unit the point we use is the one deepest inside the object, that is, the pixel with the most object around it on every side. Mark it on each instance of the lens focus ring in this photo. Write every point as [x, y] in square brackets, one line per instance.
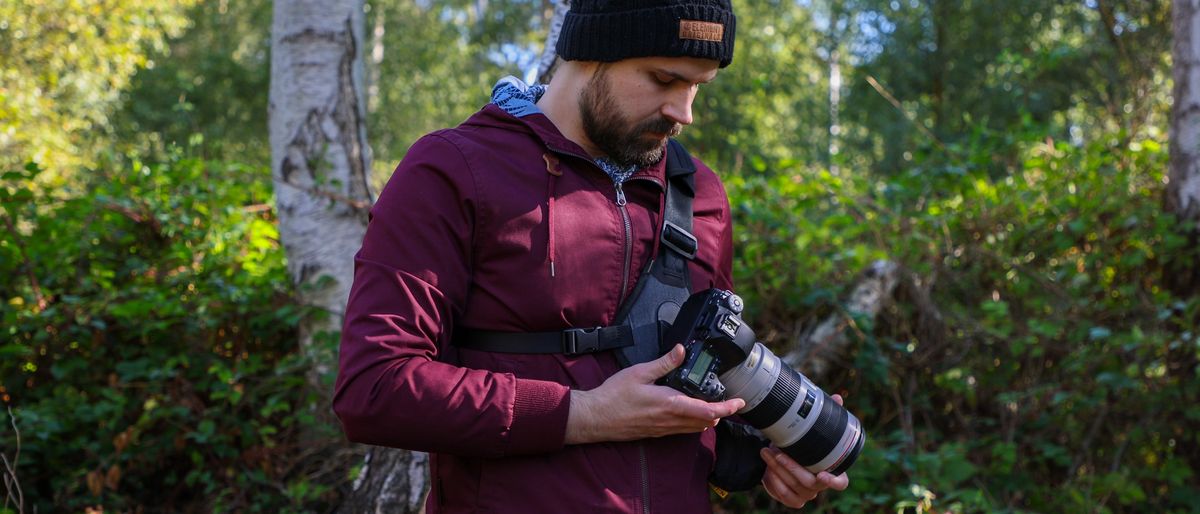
[776, 404]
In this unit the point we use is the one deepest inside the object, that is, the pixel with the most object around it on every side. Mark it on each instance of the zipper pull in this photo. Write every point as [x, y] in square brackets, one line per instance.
[621, 195]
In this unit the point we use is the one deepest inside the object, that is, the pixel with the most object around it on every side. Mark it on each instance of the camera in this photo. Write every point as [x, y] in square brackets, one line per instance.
[725, 360]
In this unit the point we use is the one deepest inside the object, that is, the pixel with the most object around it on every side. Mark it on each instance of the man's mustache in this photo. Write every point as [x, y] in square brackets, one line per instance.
[660, 126]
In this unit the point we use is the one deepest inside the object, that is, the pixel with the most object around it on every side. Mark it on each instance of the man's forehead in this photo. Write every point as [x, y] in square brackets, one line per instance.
[688, 69]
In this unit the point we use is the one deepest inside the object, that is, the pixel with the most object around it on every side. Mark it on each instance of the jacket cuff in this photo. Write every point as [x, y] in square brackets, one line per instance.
[539, 422]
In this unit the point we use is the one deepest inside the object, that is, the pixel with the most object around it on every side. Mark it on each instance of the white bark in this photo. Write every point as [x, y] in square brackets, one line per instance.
[835, 102]
[1183, 190]
[319, 154]
[319, 163]
[391, 481]
[549, 57]
[815, 350]
[374, 71]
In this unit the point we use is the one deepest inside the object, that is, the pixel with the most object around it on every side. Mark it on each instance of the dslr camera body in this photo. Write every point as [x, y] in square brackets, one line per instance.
[725, 360]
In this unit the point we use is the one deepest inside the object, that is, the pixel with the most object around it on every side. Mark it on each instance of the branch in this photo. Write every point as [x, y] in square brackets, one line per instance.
[913, 119]
[1110, 25]
[12, 486]
[135, 216]
[39, 298]
[359, 205]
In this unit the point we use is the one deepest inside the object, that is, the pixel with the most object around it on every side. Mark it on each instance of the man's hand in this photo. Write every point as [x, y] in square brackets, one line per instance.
[792, 485]
[630, 406]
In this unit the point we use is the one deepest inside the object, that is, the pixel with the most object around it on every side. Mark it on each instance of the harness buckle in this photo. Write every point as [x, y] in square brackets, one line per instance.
[577, 341]
[677, 238]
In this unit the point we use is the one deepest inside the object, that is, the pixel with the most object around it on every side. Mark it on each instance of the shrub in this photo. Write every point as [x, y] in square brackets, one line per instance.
[149, 355]
[1065, 378]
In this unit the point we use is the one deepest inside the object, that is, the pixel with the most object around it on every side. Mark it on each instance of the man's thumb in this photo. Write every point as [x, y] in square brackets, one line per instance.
[663, 365]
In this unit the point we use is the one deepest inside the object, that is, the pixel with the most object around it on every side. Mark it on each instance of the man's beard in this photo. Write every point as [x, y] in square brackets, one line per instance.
[610, 131]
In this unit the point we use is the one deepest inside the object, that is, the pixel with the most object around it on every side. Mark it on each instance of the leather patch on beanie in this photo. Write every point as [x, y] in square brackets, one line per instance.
[701, 30]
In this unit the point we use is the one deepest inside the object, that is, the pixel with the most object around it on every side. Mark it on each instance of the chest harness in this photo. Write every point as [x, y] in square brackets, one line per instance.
[646, 314]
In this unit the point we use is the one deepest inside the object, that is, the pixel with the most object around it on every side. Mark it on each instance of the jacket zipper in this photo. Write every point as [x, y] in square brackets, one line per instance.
[621, 203]
[645, 479]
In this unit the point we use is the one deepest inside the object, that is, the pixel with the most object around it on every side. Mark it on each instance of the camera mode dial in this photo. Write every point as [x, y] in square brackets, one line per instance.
[734, 302]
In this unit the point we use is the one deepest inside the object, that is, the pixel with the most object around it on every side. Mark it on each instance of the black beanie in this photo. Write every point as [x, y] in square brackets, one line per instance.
[612, 30]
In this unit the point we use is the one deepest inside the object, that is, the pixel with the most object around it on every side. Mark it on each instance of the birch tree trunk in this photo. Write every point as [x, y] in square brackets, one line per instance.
[319, 163]
[881, 285]
[319, 156]
[1183, 188]
[549, 59]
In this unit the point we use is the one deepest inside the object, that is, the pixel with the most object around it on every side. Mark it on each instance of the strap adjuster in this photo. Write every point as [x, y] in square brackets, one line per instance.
[679, 239]
[578, 341]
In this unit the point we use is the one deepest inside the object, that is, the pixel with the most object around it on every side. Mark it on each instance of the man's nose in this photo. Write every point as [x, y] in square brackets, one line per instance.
[678, 108]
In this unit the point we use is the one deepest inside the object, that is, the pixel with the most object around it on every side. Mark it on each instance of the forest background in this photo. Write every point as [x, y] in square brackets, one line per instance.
[1035, 349]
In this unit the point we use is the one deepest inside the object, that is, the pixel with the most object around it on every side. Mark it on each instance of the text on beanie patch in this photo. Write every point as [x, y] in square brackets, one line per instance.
[701, 30]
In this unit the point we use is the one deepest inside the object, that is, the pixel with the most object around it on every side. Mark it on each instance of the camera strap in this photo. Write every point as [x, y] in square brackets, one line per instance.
[642, 319]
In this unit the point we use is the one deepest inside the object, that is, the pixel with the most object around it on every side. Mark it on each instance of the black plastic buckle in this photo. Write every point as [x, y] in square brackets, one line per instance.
[680, 240]
[578, 341]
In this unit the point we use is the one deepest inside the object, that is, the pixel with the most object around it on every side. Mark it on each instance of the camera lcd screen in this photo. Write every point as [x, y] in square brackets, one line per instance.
[700, 368]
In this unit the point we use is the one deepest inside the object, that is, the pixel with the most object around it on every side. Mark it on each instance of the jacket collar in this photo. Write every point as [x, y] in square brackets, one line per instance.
[542, 128]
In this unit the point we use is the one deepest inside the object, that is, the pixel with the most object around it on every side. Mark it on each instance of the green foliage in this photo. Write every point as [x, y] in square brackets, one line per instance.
[63, 67]
[209, 90]
[149, 342]
[430, 65]
[957, 69]
[1061, 377]
[1015, 172]
[772, 104]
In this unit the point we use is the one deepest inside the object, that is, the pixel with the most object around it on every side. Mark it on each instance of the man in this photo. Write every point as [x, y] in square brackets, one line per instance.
[536, 215]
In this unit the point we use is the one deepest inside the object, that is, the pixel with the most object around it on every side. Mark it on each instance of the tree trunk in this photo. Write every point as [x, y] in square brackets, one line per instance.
[940, 14]
[813, 351]
[319, 163]
[1183, 188]
[391, 481]
[319, 157]
[883, 284]
[375, 69]
[835, 99]
[549, 58]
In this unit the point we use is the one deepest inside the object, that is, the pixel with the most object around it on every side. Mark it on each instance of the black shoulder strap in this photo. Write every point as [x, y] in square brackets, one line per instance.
[676, 233]
[636, 330]
[665, 283]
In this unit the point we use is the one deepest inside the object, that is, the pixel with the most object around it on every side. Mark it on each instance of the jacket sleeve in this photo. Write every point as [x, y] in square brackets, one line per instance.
[411, 280]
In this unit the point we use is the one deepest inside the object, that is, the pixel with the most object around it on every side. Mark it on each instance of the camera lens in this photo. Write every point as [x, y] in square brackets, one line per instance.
[793, 413]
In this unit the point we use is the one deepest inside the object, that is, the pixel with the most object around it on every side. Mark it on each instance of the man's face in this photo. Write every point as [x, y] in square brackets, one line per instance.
[629, 108]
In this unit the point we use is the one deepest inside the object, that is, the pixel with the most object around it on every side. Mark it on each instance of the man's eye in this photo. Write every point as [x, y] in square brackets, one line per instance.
[663, 79]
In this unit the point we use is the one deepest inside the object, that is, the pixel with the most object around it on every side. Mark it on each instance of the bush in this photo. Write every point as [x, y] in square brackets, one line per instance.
[150, 332]
[1065, 378]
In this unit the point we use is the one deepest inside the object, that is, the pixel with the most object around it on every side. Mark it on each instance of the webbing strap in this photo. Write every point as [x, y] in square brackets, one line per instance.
[678, 244]
[574, 341]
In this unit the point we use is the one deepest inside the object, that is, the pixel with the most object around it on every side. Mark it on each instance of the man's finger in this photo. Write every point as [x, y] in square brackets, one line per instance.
[781, 492]
[685, 405]
[655, 369]
[837, 483]
[793, 473]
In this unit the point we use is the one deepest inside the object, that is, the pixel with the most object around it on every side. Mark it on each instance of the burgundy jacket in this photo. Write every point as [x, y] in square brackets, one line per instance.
[466, 234]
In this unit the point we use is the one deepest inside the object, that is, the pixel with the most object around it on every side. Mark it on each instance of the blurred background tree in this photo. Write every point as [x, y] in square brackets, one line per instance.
[1011, 158]
[64, 67]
